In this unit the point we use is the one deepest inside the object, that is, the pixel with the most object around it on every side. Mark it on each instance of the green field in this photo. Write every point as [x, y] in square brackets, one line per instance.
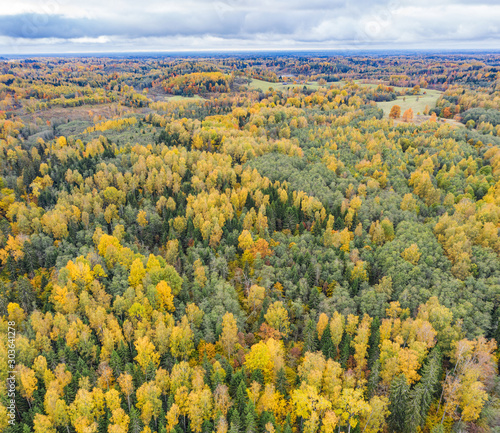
[429, 99]
[264, 85]
[183, 98]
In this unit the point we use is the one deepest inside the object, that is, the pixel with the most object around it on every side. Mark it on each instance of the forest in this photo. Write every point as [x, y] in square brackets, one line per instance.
[247, 244]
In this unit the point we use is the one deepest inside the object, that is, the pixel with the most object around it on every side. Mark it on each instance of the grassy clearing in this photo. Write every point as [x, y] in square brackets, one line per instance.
[73, 128]
[182, 98]
[134, 134]
[416, 102]
[430, 98]
[82, 112]
[264, 85]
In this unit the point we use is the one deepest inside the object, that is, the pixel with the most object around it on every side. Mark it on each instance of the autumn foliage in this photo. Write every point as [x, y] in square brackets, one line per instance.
[261, 258]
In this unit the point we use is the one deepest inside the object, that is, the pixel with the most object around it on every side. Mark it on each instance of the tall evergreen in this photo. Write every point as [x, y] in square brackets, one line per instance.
[398, 398]
[425, 390]
[250, 422]
[310, 336]
[287, 428]
[257, 376]
[235, 382]
[116, 363]
[282, 382]
[241, 399]
[412, 420]
[373, 379]
[374, 342]
[345, 348]
[313, 298]
[235, 426]
[327, 346]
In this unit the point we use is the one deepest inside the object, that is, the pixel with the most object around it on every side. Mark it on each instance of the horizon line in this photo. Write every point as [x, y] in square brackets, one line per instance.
[247, 51]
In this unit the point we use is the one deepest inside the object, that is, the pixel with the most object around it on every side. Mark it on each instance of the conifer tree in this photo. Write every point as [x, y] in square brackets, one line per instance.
[235, 426]
[281, 382]
[398, 396]
[250, 422]
[327, 344]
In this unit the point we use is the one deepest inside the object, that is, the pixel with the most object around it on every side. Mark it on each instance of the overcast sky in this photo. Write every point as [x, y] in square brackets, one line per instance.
[71, 26]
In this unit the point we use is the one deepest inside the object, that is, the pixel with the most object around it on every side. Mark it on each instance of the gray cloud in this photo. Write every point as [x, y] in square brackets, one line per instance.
[196, 24]
[38, 26]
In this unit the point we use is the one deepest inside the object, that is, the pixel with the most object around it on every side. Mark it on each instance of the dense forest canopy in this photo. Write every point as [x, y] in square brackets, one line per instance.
[250, 244]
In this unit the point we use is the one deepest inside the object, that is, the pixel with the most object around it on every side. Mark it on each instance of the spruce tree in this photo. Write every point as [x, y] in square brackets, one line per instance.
[235, 382]
[116, 363]
[290, 219]
[412, 414]
[257, 376]
[428, 385]
[124, 352]
[250, 423]
[281, 382]
[311, 275]
[345, 347]
[373, 379]
[309, 335]
[287, 428]
[228, 369]
[235, 426]
[135, 421]
[373, 342]
[313, 299]
[316, 229]
[398, 398]
[207, 426]
[207, 366]
[241, 399]
[327, 346]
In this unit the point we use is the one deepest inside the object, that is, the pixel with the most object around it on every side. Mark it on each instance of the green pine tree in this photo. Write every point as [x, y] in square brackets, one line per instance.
[398, 398]
[310, 335]
[314, 298]
[235, 382]
[424, 392]
[287, 428]
[116, 363]
[282, 382]
[373, 342]
[327, 346]
[345, 347]
[373, 379]
[311, 275]
[257, 376]
[235, 426]
[241, 397]
[250, 423]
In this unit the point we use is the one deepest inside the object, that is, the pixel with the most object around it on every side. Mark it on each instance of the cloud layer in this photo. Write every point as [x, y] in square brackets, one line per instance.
[53, 26]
